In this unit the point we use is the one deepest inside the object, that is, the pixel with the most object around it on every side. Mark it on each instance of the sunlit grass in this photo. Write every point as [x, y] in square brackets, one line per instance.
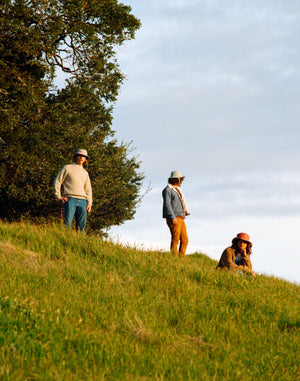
[76, 307]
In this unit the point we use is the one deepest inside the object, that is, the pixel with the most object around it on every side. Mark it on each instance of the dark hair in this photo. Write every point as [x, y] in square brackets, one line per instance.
[236, 248]
[175, 180]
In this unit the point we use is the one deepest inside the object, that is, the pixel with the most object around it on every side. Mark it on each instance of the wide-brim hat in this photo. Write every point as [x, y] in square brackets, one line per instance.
[82, 152]
[242, 236]
[176, 175]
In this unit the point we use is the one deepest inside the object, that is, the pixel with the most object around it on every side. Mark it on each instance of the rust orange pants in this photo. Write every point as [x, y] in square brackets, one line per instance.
[178, 236]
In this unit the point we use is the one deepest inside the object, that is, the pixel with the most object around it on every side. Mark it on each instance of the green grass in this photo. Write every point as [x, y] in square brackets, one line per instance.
[75, 307]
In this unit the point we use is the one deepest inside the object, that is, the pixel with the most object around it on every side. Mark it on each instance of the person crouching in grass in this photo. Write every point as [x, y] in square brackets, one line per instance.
[237, 256]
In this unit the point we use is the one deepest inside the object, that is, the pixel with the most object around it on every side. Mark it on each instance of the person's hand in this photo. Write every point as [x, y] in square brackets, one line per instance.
[88, 208]
[175, 222]
[64, 199]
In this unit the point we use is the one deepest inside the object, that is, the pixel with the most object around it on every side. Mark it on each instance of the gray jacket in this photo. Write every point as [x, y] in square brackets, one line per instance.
[172, 205]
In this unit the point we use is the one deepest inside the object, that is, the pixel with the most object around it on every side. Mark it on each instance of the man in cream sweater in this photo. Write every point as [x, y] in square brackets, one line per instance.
[77, 196]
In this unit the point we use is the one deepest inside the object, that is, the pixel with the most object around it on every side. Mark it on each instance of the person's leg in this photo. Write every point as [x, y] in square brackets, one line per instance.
[70, 207]
[175, 235]
[81, 214]
[184, 240]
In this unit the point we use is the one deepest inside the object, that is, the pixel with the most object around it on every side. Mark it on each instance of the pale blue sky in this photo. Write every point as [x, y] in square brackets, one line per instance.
[213, 90]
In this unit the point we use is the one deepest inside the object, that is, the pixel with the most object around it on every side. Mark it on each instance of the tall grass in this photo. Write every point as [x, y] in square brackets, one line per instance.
[76, 307]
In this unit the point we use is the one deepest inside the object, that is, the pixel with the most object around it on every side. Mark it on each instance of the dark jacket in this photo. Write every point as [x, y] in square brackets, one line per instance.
[227, 259]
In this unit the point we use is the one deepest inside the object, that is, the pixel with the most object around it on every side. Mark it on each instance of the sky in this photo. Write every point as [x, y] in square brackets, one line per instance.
[213, 90]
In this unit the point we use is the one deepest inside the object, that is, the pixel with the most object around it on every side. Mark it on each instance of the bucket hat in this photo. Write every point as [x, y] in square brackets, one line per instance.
[242, 236]
[176, 175]
[82, 152]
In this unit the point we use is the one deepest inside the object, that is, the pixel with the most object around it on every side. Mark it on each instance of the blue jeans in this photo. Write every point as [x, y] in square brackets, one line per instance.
[77, 207]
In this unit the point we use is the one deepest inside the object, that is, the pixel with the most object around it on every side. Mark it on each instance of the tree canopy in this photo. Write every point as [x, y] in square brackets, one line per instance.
[42, 126]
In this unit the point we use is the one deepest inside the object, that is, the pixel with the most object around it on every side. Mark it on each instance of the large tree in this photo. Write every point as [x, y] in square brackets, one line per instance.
[41, 126]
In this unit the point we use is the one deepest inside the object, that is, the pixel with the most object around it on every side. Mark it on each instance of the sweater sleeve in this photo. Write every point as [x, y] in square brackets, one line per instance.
[88, 190]
[58, 181]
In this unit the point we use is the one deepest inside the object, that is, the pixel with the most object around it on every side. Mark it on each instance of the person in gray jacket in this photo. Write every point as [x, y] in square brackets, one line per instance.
[174, 211]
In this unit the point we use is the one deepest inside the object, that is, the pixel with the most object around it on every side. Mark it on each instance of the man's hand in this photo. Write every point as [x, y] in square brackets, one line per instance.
[88, 208]
[64, 199]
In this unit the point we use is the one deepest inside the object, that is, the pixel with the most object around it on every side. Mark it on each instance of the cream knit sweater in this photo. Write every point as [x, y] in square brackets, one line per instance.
[76, 182]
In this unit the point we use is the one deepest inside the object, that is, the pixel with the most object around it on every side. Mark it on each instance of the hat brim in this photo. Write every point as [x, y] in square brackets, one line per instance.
[80, 154]
[241, 239]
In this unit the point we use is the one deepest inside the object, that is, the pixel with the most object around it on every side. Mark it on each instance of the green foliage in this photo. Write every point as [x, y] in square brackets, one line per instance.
[77, 307]
[42, 126]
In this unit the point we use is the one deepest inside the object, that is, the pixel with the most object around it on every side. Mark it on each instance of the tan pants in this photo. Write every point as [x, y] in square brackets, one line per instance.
[178, 234]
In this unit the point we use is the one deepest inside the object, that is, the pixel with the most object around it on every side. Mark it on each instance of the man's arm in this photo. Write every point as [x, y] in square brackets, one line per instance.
[89, 193]
[168, 211]
[57, 183]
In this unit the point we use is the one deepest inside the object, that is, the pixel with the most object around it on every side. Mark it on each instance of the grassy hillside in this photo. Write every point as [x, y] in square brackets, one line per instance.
[76, 308]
